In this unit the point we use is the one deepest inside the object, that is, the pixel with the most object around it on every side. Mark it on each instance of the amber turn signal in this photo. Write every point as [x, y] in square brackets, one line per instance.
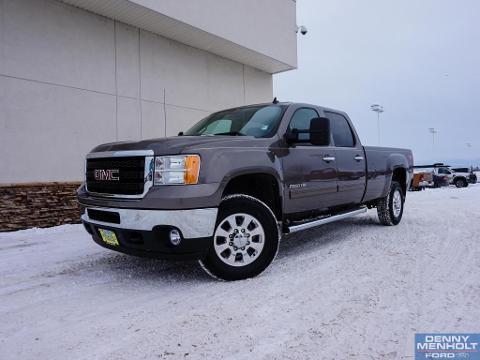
[192, 169]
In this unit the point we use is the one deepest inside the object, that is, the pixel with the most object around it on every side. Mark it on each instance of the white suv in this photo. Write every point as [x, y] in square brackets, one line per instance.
[463, 177]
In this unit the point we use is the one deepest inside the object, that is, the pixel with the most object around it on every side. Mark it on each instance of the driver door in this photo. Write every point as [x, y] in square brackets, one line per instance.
[310, 171]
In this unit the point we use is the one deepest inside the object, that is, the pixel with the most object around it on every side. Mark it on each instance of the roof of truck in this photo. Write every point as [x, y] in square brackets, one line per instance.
[288, 103]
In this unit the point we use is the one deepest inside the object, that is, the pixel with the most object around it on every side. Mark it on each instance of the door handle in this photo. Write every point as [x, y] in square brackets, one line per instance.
[358, 158]
[328, 158]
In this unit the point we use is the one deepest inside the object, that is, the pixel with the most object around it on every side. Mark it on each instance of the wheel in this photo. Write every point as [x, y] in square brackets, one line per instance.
[245, 241]
[390, 208]
[460, 183]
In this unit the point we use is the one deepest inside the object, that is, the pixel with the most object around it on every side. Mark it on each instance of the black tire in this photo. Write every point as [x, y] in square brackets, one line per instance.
[387, 213]
[460, 183]
[243, 204]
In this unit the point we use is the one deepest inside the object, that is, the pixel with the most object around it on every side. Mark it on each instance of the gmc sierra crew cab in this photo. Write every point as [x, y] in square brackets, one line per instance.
[225, 191]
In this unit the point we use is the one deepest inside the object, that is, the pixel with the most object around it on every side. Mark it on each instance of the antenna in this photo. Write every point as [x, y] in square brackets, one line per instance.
[275, 100]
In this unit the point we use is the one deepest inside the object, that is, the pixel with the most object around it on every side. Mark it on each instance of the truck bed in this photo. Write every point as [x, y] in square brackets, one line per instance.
[379, 169]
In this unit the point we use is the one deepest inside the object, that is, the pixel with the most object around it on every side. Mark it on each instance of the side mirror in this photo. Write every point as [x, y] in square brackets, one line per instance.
[318, 134]
[180, 133]
[320, 131]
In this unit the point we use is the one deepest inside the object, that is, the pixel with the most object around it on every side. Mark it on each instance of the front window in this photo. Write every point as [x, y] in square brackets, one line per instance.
[301, 122]
[259, 121]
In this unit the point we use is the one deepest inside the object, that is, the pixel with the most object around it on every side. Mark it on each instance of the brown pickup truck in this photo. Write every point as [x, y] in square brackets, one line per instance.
[225, 191]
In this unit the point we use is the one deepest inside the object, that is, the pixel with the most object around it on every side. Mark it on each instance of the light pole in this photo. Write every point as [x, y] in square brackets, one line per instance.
[433, 131]
[469, 147]
[378, 109]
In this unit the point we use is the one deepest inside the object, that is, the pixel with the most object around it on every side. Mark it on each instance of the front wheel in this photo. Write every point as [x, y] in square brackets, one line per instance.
[245, 241]
[390, 208]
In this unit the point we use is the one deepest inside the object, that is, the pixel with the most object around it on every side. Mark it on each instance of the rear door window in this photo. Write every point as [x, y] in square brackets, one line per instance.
[341, 132]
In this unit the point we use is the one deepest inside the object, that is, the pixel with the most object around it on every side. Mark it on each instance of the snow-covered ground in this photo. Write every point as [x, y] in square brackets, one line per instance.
[349, 290]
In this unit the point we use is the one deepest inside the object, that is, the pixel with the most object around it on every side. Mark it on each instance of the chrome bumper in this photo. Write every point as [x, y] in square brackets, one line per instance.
[195, 223]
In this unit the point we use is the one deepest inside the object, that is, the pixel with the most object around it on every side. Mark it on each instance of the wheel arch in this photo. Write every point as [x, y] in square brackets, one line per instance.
[399, 174]
[397, 168]
[261, 184]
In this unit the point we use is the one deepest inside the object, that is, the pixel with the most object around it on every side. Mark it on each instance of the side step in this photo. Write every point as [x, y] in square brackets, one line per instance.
[326, 220]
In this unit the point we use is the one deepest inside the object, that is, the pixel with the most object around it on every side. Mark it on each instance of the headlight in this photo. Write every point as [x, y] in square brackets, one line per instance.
[176, 170]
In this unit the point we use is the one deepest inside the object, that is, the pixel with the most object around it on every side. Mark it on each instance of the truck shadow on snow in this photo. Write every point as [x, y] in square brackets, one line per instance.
[132, 268]
[320, 237]
[126, 268]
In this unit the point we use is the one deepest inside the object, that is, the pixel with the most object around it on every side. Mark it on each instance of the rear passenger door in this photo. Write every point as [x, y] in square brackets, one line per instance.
[350, 160]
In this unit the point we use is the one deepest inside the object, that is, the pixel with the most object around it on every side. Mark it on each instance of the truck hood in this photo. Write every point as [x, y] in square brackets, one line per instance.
[181, 144]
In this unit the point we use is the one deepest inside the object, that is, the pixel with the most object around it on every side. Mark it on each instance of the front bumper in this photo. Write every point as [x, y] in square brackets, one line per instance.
[195, 223]
[146, 232]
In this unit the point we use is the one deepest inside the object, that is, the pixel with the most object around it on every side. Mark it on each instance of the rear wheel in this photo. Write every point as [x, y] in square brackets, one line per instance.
[245, 241]
[390, 208]
[460, 183]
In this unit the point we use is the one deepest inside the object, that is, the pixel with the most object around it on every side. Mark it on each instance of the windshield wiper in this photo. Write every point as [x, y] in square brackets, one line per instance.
[232, 133]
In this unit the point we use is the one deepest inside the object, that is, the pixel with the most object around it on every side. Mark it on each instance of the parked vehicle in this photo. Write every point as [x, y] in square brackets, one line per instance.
[463, 177]
[230, 187]
[421, 180]
[473, 178]
[442, 175]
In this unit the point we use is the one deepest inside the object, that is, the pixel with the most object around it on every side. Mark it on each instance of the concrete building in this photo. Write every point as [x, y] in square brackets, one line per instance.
[77, 73]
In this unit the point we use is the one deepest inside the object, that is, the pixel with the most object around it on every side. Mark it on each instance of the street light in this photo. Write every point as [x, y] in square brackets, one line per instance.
[433, 131]
[378, 109]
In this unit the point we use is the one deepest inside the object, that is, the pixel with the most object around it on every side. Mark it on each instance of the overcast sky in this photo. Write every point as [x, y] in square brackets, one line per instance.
[420, 59]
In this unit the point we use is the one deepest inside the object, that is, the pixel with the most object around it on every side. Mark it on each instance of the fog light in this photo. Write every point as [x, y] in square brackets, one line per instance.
[175, 237]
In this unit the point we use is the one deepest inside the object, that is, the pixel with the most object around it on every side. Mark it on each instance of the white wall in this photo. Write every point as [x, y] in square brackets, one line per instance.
[261, 34]
[70, 80]
[266, 26]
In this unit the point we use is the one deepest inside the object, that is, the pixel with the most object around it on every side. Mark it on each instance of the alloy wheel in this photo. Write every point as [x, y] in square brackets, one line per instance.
[239, 239]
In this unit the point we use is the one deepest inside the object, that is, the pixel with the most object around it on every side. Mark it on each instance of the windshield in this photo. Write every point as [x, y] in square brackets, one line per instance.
[257, 121]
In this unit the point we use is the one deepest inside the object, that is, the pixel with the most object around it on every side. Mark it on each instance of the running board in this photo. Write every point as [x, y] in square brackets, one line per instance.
[326, 220]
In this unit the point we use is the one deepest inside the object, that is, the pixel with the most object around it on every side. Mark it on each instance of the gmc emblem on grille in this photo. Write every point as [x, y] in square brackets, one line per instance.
[107, 174]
